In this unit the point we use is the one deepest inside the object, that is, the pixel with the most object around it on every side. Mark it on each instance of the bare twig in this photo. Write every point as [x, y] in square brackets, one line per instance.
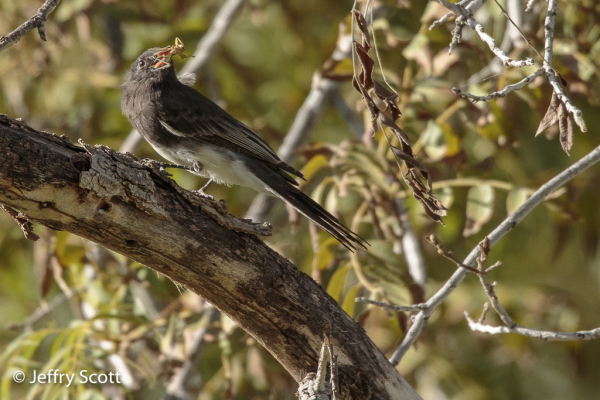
[213, 36]
[512, 326]
[506, 226]
[486, 308]
[314, 386]
[356, 124]
[179, 384]
[41, 312]
[386, 306]
[23, 222]
[533, 333]
[448, 254]
[441, 21]
[551, 72]
[506, 60]
[501, 93]
[411, 250]
[202, 54]
[530, 4]
[37, 21]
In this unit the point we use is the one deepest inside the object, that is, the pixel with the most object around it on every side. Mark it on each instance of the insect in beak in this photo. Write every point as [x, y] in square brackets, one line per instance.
[163, 56]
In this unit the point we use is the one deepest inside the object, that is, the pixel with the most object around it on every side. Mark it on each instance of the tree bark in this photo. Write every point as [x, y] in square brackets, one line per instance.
[135, 209]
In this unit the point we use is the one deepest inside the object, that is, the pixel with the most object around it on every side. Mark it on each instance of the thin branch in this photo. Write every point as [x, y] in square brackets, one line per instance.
[386, 306]
[41, 312]
[315, 386]
[202, 54]
[411, 249]
[506, 60]
[179, 385]
[533, 333]
[441, 21]
[512, 326]
[37, 21]
[530, 5]
[354, 123]
[551, 73]
[23, 222]
[506, 226]
[448, 254]
[213, 36]
[501, 93]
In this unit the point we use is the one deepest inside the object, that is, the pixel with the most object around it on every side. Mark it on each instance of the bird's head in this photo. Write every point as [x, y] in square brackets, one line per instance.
[155, 64]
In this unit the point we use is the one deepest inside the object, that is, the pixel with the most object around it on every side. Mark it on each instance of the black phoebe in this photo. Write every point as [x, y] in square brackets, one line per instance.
[188, 129]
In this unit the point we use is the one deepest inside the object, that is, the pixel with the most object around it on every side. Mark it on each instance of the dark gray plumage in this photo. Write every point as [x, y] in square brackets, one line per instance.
[188, 129]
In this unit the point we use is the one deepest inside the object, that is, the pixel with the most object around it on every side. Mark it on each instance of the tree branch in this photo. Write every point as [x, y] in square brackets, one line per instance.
[551, 73]
[179, 385]
[37, 21]
[137, 211]
[511, 325]
[506, 226]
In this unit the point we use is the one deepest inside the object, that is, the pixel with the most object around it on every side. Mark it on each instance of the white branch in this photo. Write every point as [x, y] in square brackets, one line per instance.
[533, 333]
[37, 21]
[530, 4]
[510, 325]
[550, 72]
[506, 226]
[500, 93]
[440, 21]
[506, 60]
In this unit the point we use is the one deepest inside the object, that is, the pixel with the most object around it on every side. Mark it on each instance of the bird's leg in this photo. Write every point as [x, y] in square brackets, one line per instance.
[201, 190]
[197, 167]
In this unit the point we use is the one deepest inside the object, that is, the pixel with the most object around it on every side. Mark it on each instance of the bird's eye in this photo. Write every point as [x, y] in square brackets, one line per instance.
[141, 63]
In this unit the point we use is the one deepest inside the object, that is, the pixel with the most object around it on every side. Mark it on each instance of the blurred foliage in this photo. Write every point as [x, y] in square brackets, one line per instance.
[483, 158]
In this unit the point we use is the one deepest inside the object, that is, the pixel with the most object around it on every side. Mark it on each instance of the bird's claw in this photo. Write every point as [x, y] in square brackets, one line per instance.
[201, 190]
[203, 194]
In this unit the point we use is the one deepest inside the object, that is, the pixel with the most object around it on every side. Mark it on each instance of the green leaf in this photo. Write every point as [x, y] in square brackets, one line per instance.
[433, 141]
[515, 199]
[337, 282]
[480, 206]
[383, 250]
[446, 196]
[314, 165]
[349, 302]
[325, 254]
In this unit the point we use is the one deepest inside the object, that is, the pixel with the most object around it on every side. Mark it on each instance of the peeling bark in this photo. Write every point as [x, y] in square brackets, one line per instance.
[136, 210]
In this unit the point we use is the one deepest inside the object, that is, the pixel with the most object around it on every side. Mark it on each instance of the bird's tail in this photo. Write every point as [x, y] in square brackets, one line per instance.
[310, 209]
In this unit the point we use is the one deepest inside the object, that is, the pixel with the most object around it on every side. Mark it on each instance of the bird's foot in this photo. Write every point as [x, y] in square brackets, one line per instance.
[162, 166]
[202, 193]
[205, 195]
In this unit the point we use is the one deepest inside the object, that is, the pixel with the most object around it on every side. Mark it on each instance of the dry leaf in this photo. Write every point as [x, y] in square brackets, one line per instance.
[551, 116]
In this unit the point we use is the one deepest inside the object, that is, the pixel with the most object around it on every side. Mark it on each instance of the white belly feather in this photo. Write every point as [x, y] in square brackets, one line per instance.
[220, 165]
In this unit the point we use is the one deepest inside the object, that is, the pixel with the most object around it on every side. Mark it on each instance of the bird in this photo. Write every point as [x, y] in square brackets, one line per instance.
[188, 129]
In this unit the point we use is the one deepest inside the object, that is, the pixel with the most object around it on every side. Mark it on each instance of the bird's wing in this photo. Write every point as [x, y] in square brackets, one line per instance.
[186, 112]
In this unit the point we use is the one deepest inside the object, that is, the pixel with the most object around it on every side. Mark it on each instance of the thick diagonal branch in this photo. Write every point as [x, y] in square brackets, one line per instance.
[137, 211]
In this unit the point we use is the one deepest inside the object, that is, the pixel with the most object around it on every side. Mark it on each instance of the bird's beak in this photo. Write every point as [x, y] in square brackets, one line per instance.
[163, 56]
